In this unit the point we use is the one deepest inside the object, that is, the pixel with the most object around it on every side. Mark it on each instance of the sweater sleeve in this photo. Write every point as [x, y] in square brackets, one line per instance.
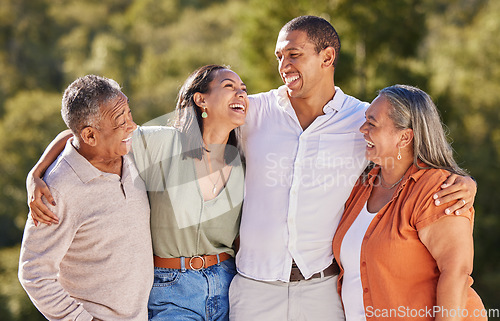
[42, 251]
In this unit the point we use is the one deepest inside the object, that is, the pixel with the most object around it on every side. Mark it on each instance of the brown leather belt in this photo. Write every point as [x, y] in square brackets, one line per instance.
[296, 275]
[191, 263]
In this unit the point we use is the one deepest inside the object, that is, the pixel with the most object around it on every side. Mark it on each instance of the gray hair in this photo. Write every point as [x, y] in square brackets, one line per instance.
[82, 100]
[413, 108]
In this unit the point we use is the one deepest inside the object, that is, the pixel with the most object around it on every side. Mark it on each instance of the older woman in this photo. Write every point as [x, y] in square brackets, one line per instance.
[401, 257]
[194, 177]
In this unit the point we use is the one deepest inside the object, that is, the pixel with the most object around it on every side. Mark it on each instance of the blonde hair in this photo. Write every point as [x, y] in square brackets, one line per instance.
[413, 108]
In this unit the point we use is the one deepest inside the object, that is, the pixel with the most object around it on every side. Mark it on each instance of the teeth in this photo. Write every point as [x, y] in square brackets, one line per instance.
[126, 139]
[291, 79]
[370, 144]
[237, 106]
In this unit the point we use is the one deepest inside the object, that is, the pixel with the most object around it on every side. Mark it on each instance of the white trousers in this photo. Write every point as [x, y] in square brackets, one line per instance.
[314, 299]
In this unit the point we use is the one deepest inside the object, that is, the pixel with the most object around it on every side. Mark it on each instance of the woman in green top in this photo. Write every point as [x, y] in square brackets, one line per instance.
[194, 179]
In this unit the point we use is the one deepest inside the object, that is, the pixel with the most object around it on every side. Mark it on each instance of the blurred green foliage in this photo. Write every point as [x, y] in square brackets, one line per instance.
[449, 48]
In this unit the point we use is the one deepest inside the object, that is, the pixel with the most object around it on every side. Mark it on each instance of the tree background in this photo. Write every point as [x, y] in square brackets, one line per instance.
[449, 48]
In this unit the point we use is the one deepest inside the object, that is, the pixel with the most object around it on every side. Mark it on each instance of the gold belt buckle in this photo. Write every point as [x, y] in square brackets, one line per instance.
[191, 262]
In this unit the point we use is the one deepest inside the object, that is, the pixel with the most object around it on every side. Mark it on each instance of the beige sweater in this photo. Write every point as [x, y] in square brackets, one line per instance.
[97, 262]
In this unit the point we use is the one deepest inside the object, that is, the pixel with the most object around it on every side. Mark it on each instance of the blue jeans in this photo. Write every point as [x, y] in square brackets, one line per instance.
[191, 295]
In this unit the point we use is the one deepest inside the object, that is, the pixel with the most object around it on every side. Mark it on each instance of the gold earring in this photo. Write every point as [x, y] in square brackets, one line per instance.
[204, 113]
[399, 154]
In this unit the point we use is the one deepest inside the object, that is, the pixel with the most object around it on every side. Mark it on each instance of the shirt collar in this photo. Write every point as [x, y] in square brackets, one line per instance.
[333, 105]
[336, 103]
[414, 172]
[82, 167]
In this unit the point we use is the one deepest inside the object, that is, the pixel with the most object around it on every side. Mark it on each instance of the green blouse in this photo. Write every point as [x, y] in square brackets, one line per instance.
[182, 223]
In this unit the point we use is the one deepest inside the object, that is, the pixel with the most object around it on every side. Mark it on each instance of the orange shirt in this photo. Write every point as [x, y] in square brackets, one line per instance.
[398, 274]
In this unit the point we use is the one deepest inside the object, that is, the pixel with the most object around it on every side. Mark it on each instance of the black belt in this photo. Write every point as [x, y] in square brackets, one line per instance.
[296, 275]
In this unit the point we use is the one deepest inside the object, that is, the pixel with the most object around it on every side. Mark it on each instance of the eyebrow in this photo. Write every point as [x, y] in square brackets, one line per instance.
[370, 117]
[117, 116]
[231, 81]
[122, 112]
[287, 50]
[227, 79]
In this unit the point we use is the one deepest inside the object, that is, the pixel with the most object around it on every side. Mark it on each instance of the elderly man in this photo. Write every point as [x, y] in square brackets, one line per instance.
[96, 264]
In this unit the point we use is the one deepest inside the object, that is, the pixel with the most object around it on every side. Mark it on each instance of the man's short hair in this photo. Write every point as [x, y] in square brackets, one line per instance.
[319, 31]
[82, 100]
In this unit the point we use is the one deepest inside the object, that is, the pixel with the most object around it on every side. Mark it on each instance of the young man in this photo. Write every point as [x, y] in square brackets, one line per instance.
[97, 263]
[304, 153]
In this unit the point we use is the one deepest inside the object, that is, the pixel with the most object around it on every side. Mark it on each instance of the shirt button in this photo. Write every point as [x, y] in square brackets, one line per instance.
[365, 290]
[363, 264]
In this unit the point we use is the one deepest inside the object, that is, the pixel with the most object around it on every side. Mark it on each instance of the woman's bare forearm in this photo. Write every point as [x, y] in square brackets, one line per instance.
[451, 295]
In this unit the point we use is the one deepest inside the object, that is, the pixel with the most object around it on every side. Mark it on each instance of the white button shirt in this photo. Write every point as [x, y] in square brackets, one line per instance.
[297, 182]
